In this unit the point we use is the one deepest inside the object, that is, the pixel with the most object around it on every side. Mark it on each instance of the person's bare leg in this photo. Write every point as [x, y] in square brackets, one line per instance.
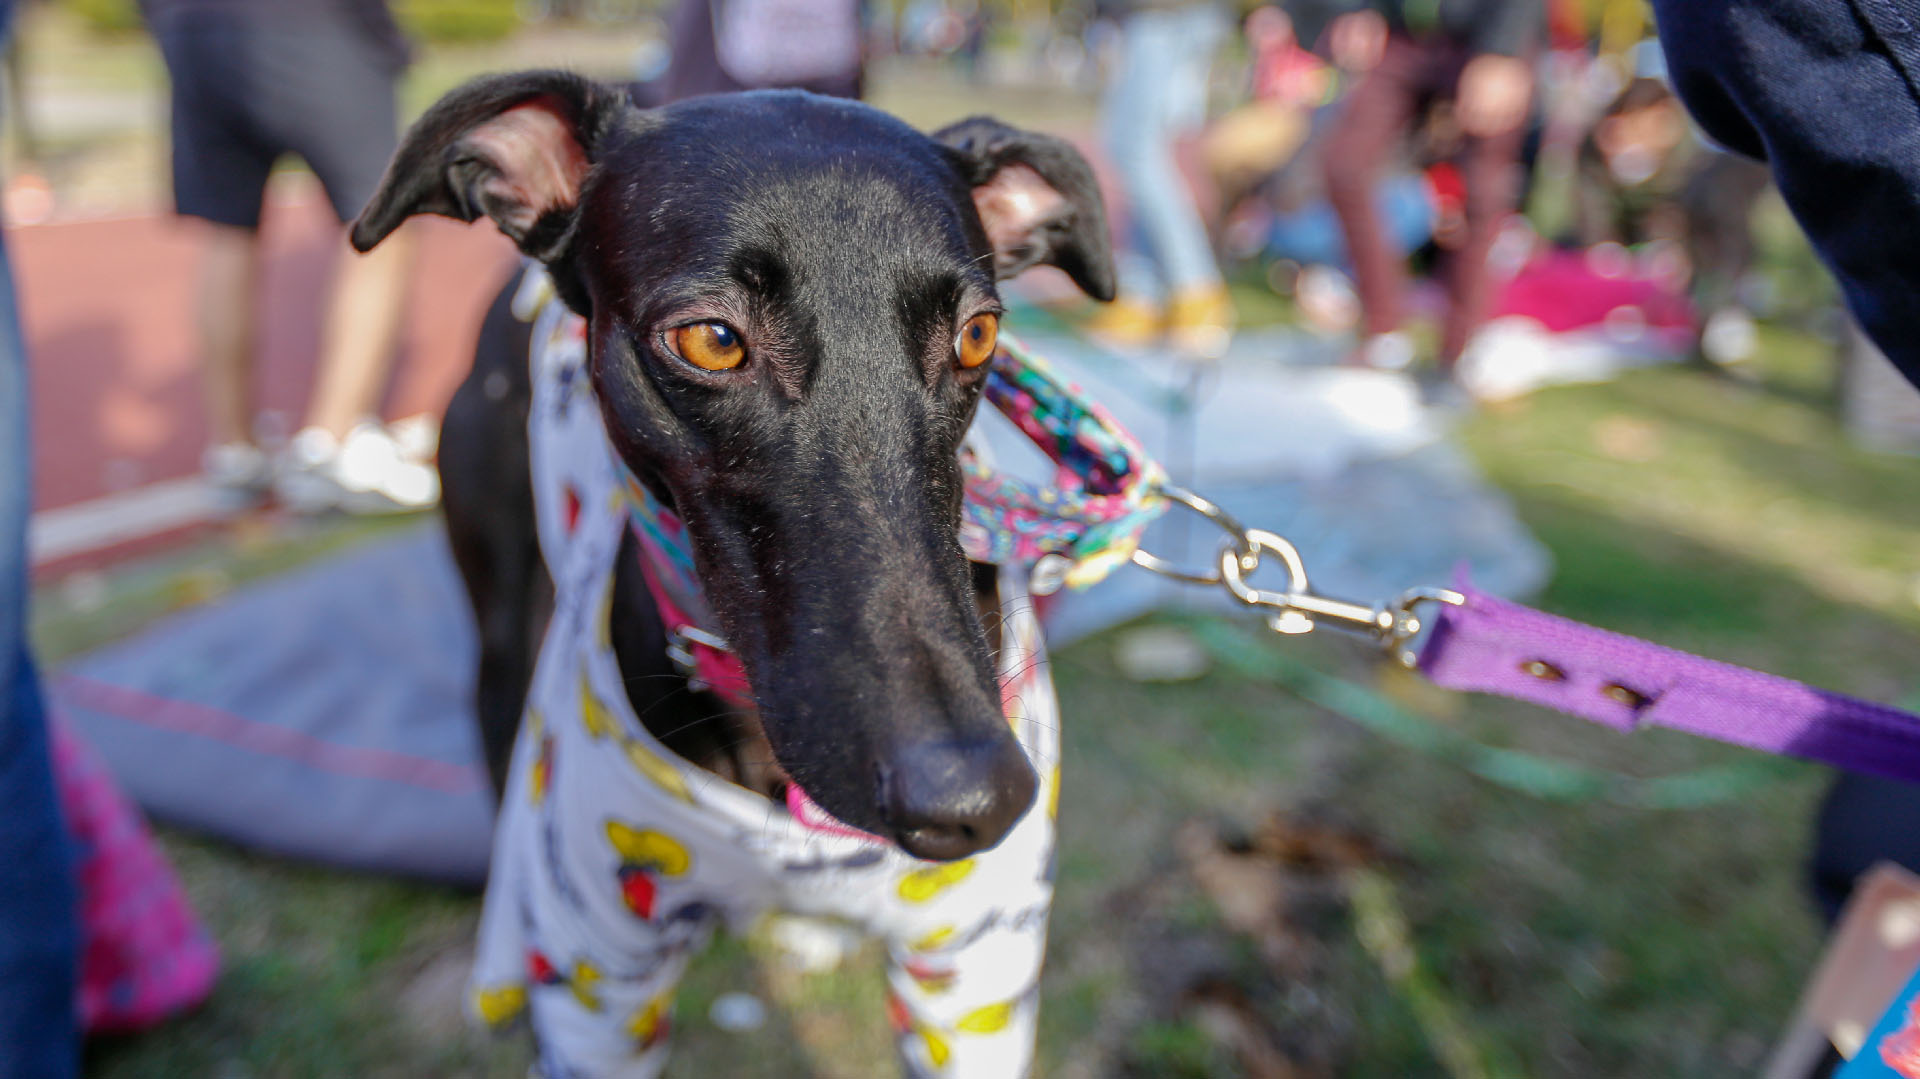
[361, 334]
[1378, 112]
[330, 464]
[225, 312]
[1489, 172]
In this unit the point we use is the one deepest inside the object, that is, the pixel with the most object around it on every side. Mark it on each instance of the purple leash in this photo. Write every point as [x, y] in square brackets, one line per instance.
[1482, 644]
[1488, 645]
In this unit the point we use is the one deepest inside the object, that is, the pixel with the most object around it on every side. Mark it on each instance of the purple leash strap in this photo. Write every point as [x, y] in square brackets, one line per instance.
[1489, 645]
[1483, 644]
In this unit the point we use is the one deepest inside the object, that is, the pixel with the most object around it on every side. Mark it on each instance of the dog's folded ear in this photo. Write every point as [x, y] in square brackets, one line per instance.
[516, 148]
[1037, 200]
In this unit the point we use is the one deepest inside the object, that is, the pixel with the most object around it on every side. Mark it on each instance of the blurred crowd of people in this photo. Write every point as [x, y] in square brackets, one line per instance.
[1349, 145]
[1338, 147]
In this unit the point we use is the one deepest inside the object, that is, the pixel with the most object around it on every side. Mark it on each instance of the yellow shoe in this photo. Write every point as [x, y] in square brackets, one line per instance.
[1200, 322]
[1127, 322]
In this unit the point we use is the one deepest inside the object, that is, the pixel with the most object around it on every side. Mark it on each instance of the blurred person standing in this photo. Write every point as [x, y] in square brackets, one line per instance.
[1475, 57]
[253, 80]
[1156, 93]
[723, 45]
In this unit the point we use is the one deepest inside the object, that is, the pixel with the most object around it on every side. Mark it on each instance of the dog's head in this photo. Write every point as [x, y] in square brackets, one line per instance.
[790, 302]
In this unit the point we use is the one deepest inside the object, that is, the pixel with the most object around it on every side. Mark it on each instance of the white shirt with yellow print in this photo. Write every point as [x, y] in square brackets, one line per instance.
[614, 859]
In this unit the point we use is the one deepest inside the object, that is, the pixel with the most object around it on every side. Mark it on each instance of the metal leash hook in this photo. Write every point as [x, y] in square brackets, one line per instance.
[1299, 609]
[1246, 555]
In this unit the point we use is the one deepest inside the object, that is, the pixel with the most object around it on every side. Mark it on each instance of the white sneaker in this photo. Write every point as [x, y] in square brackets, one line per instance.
[418, 436]
[237, 474]
[1390, 351]
[1327, 300]
[1730, 337]
[367, 473]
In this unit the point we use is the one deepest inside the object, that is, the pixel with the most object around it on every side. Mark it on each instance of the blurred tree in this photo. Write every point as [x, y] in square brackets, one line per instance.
[458, 20]
[426, 20]
[107, 16]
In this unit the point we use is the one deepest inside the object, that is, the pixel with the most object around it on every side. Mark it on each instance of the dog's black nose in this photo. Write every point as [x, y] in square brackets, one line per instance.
[944, 800]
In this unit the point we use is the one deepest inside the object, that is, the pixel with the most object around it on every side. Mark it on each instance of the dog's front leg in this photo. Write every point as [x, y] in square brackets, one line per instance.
[965, 940]
[964, 962]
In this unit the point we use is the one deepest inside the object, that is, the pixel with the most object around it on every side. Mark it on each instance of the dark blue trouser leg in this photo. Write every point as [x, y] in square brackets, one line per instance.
[1825, 92]
[39, 932]
[39, 938]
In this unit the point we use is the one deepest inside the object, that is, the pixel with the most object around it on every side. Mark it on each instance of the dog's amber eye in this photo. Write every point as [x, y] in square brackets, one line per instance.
[975, 344]
[710, 346]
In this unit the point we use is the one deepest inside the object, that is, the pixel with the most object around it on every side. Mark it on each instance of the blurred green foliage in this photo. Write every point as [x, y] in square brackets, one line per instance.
[426, 20]
[107, 16]
[458, 20]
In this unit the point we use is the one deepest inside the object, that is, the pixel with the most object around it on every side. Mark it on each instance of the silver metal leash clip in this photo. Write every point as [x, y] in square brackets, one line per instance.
[1302, 610]
[1248, 557]
[1299, 609]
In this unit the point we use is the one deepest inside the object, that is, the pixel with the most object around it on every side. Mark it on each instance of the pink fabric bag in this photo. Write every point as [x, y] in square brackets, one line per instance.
[144, 955]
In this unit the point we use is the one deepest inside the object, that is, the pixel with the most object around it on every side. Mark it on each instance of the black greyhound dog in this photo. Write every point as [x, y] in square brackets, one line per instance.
[832, 257]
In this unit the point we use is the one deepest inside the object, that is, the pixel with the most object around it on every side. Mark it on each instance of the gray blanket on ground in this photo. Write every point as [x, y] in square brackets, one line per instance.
[321, 715]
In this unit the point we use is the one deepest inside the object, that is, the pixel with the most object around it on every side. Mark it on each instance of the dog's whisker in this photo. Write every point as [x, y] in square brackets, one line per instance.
[1023, 669]
[692, 723]
[666, 698]
[1018, 699]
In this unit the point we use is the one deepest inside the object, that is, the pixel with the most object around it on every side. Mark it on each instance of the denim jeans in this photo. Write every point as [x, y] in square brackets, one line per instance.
[1827, 92]
[1157, 92]
[39, 932]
